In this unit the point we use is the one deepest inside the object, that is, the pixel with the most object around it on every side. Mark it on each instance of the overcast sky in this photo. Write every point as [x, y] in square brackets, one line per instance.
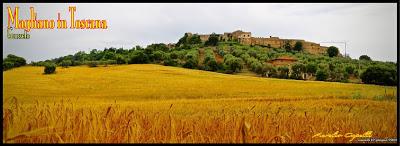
[367, 28]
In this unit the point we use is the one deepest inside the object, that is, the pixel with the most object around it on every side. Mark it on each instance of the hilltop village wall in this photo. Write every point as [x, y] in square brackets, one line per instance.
[275, 42]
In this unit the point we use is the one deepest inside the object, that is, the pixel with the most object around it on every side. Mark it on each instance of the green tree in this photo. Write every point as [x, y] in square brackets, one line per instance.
[16, 60]
[168, 61]
[311, 68]
[332, 51]
[298, 69]
[194, 39]
[120, 59]
[182, 40]
[321, 75]
[364, 57]
[210, 62]
[287, 46]
[191, 60]
[212, 40]
[232, 64]
[350, 69]
[138, 57]
[298, 46]
[49, 68]
[283, 72]
[7, 65]
[66, 63]
[268, 70]
[379, 75]
[158, 56]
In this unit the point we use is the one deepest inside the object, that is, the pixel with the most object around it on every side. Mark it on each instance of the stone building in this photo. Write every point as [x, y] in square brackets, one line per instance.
[275, 42]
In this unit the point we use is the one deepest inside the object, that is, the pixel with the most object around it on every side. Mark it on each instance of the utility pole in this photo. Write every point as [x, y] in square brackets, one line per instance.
[345, 46]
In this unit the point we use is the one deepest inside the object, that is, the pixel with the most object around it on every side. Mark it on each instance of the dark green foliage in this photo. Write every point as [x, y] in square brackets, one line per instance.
[339, 74]
[212, 40]
[210, 63]
[12, 61]
[120, 59]
[298, 69]
[7, 65]
[170, 62]
[321, 75]
[332, 51]
[182, 40]
[311, 68]
[283, 72]
[238, 53]
[174, 55]
[287, 46]
[66, 63]
[158, 56]
[92, 63]
[49, 68]
[298, 46]
[232, 64]
[158, 47]
[257, 67]
[194, 39]
[350, 69]
[379, 75]
[189, 40]
[191, 60]
[365, 57]
[267, 70]
[138, 57]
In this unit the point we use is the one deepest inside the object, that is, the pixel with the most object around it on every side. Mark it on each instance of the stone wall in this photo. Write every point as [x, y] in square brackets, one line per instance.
[275, 42]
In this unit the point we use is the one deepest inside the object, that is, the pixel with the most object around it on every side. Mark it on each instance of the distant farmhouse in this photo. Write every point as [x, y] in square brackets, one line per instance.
[275, 42]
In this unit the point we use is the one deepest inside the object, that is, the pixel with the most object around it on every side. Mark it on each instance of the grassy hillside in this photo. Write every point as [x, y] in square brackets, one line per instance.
[157, 104]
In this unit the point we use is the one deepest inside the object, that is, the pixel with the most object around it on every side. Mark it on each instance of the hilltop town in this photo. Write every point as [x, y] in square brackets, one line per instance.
[247, 39]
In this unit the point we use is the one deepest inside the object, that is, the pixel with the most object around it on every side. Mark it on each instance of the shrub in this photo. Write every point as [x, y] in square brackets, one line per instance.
[49, 68]
[210, 63]
[298, 46]
[283, 72]
[12, 61]
[212, 40]
[191, 59]
[332, 51]
[170, 62]
[92, 63]
[379, 75]
[7, 65]
[120, 59]
[158, 56]
[138, 57]
[297, 71]
[66, 63]
[321, 75]
[256, 67]
[364, 57]
[190, 63]
[268, 70]
[174, 55]
[311, 68]
[232, 64]
[287, 46]
[350, 69]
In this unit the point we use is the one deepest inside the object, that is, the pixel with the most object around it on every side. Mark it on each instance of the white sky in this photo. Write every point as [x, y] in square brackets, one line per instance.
[367, 28]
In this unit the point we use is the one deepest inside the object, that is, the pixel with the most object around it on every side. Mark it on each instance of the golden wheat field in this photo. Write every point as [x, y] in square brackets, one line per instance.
[160, 104]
